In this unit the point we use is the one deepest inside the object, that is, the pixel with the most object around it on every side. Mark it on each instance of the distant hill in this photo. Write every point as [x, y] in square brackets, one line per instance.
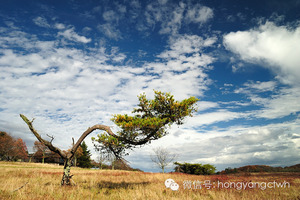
[261, 168]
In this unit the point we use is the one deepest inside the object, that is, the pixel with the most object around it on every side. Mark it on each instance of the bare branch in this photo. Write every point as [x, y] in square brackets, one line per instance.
[45, 142]
[52, 138]
[162, 157]
[20, 187]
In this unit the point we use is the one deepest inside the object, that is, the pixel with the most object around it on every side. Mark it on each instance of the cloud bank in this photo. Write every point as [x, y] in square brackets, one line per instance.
[271, 46]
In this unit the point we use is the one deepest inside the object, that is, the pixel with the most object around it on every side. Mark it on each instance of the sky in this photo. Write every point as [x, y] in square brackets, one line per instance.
[73, 64]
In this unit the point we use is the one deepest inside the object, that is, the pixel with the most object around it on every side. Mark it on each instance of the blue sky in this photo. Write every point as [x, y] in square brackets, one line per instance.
[73, 64]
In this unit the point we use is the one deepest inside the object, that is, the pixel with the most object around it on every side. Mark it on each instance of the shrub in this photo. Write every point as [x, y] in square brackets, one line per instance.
[197, 169]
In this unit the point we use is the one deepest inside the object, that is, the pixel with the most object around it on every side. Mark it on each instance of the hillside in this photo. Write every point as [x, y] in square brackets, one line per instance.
[261, 168]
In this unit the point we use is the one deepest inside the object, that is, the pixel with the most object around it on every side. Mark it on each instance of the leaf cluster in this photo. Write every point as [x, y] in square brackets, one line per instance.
[197, 169]
[149, 121]
[109, 145]
[153, 117]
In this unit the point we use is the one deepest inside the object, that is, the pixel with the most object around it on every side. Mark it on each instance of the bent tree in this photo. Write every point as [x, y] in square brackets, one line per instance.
[149, 121]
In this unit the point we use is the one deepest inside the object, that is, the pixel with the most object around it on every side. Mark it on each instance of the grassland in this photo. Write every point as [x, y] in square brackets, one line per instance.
[42, 181]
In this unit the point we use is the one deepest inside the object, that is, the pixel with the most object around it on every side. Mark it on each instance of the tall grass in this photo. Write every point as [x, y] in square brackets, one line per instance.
[42, 181]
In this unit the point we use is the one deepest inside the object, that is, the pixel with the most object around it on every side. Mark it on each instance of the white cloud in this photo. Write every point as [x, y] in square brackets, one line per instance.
[280, 104]
[187, 44]
[42, 22]
[59, 26]
[263, 86]
[183, 67]
[269, 45]
[209, 118]
[110, 16]
[173, 17]
[173, 24]
[258, 86]
[61, 86]
[199, 14]
[70, 34]
[110, 31]
[236, 146]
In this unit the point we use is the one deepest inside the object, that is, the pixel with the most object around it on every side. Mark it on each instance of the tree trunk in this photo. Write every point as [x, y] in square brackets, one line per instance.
[43, 158]
[75, 161]
[66, 179]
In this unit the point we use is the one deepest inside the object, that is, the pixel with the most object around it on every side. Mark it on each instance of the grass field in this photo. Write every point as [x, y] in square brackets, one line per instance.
[42, 181]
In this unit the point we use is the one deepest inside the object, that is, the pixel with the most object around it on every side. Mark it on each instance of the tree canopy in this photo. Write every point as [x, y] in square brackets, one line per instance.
[149, 122]
[12, 148]
[84, 160]
[197, 169]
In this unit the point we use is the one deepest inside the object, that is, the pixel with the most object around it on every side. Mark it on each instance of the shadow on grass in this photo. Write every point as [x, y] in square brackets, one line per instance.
[124, 185]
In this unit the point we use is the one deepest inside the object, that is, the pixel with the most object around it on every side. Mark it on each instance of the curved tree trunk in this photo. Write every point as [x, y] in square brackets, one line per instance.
[66, 179]
[68, 158]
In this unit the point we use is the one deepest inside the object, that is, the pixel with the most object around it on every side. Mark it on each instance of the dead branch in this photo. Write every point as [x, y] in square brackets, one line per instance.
[52, 138]
[20, 187]
[45, 142]
[75, 147]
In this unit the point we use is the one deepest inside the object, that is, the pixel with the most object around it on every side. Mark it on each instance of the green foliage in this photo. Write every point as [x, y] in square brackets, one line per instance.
[149, 122]
[84, 160]
[153, 117]
[109, 146]
[197, 169]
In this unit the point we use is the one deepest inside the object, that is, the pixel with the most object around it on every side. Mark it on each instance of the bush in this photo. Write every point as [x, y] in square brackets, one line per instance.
[197, 169]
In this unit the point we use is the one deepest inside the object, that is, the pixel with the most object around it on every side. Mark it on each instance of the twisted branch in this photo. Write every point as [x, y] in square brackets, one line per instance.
[83, 136]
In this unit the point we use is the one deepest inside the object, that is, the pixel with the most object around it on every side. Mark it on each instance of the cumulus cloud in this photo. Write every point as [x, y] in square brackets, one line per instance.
[269, 45]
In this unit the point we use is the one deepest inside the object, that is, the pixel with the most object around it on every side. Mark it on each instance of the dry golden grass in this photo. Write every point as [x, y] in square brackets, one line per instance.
[42, 181]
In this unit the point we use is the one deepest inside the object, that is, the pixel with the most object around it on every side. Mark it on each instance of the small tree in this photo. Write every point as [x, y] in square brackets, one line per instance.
[20, 150]
[162, 157]
[85, 159]
[6, 146]
[109, 149]
[150, 122]
[11, 148]
[40, 150]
